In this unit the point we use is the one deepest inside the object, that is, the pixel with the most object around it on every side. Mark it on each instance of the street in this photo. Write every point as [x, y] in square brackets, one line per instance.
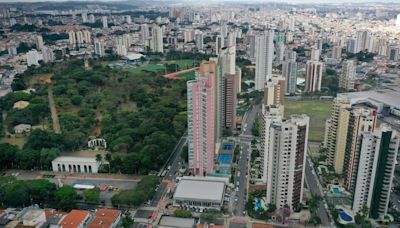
[314, 187]
[241, 181]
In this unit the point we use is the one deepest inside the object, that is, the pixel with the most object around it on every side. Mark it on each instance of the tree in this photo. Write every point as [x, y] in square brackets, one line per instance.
[92, 196]
[209, 216]
[271, 207]
[185, 153]
[108, 158]
[47, 156]
[66, 197]
[182, 213]
[99, 158]
[127, 221]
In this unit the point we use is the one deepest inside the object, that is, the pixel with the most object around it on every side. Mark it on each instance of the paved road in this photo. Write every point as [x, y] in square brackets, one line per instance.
[241, 180]
[313, 185]
[54, 116]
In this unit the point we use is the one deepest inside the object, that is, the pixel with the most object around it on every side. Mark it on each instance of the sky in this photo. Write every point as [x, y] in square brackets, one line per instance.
[283, 1]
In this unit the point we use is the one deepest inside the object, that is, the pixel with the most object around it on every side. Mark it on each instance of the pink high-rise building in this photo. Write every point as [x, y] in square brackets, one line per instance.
[201, 120]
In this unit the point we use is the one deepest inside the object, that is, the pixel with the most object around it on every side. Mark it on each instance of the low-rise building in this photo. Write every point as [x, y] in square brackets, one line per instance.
[105, 218]
[200, 193]
[75, 164]
[75, 219]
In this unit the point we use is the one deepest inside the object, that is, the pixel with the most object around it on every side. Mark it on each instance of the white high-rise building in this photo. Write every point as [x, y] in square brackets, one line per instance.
[363, 40]
[48, 54]
[156, 44]
[398, 23]
[199, 38]
[337, 52]
[378, 152]
[71, 37]
[231, 41]
[128, 19]
[99, 47]
[12, 50]
[33, 57]
[252, 47]
[314, 71]
[264, 58]
[84, 17]
[348, 75]
[92, 19]
[219, 44]
[289, 72]
[352, 46]
[104, 21]
[188, 36]
[79, 37]
[39, 42]
[285, 154]
[86, 37]
[144, 33]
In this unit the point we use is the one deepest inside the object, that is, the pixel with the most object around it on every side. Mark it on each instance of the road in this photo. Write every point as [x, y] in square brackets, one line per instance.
[241, 181]
[53, 109]
[313, 185]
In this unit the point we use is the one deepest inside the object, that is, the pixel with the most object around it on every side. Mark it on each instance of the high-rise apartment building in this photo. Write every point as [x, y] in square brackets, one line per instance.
[48, 54]
[361, 120]
[337, 52]
[201, 121]
[398, 23]
[219, 44]
[104, 20]
[348, 75]
[314, 71]
[274, 93]
[264, 57]
[252, 47]
[199, 39]
[285, 153]
[352, 46]
[99, 47]
[336, 130]
[378, 151]
[39, 42]
[156, 44]
[71, 37]
[363, 39]
[33, 57]
[289, 72]
[84, 17]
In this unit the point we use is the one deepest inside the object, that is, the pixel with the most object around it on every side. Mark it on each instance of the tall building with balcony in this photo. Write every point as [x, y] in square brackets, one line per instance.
[264, 46]
[348, 75]
[378, 151]
[289, 72]
[336, 133]
[285, 151]
[201, 121]
[156, 43]
[314, 71]
[361, 120]
[99, 47]
[274, 93]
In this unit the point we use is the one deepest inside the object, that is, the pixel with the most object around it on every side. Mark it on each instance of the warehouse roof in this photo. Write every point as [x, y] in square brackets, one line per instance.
[200, 190]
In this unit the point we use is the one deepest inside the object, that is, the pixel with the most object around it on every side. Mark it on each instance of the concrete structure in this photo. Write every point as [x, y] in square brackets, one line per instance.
[337, 52]
[104, 21]
[48, 54]
[200, 193]
[32, 216]
[75, 219]
[398, 23]
[348, 75]
[39, 42]
[264, 46]
[285, 151]
[22, 128]
[336, 133]
[201, 122]
[156, 44]
[289, 72]
[314, 71]
[274, 93]
[99, 47]
[351, 46]
[33, 57]
[176, 222]
[105, 218]
[71, 37]
[361, 120]
[199, 38]
[97, 142]
[377, 161]
[75, 164]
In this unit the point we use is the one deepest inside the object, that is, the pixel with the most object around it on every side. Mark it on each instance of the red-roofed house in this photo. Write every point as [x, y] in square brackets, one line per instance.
[75, 219]
[106, 218]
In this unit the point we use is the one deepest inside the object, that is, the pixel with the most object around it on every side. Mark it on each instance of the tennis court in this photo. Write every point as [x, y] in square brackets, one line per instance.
[225, 158]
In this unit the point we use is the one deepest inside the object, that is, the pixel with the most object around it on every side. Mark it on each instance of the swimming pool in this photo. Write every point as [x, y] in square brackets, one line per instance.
[336, 190]
[257, 204]
[344, 216]
[227, 146]
[224, 170]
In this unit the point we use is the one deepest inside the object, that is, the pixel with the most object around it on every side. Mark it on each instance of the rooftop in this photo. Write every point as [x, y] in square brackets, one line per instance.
[74, 219]
[104, 218]
[200, 190]
[169, 221]
[75, 159]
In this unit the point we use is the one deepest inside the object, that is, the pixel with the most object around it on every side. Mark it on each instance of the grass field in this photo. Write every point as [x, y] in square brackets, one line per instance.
[317, 110]
[20, 142]
[188, 75]
[153, 67]
[184, 63]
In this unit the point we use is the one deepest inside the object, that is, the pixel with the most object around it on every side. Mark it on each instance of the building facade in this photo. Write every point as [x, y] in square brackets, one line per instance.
[264, 46]
[348, 75]
[314, 71]
[201, 123]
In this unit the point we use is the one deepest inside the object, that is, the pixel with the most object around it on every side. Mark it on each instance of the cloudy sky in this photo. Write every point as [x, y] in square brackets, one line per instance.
[287, 1]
